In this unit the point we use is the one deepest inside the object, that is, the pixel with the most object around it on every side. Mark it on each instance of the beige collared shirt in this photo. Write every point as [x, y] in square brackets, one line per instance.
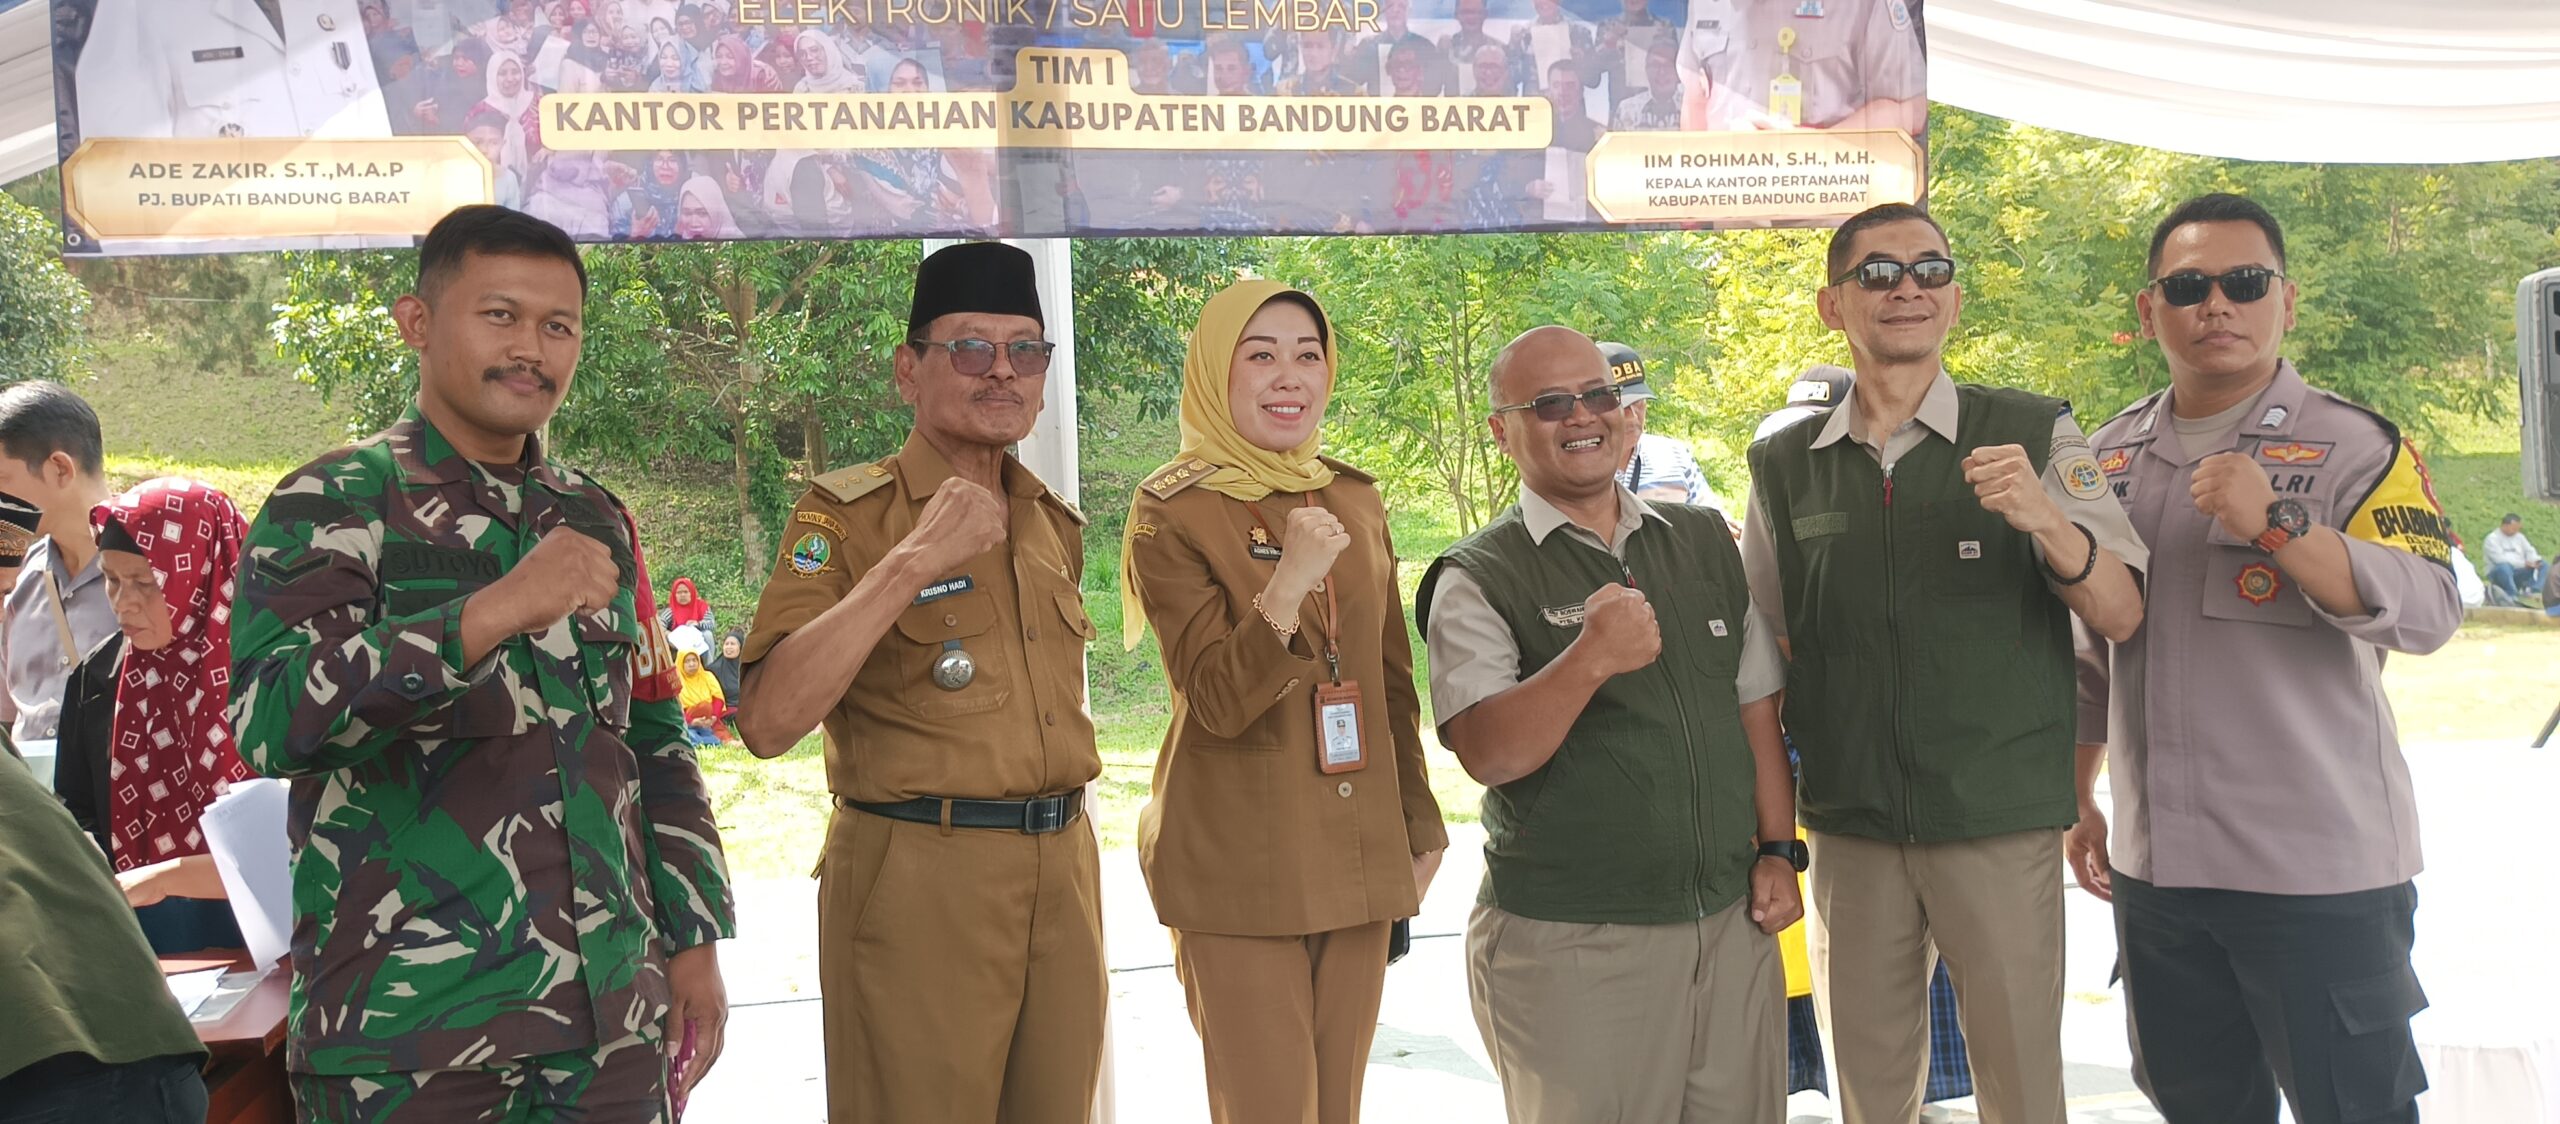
[1474, 656]
[2095, 509]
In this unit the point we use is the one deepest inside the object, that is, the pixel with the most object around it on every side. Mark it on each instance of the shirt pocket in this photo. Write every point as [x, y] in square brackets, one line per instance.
[2243, 583]
[1071, 609]
[605, 658]
[963, 622]
[216, 88]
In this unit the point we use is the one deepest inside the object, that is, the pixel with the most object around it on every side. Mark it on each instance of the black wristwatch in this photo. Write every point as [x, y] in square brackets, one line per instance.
[1792, 850]
[2287, 520]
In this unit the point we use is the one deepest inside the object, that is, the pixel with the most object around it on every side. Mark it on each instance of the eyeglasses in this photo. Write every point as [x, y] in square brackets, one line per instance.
[2243, 285]
[974, 357]
[1884, 275]
[1558, 406]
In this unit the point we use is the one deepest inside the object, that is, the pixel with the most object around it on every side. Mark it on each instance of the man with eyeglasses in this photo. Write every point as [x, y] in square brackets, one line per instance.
[2266, 834]
[924, 607]
[1596, 662]
[1921, 549]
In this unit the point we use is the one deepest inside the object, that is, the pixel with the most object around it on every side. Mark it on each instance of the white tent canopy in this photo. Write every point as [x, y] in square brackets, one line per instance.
[2345, 81]
[2329, 81]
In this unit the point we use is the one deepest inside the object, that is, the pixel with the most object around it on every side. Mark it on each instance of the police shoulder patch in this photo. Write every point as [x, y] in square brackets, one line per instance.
[2082, 478]
[1175, 477]
[1900, 14]
[846, 485]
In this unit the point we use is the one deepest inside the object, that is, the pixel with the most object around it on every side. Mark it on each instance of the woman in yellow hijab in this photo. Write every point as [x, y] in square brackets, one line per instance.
[698, 692]
[1291, 823]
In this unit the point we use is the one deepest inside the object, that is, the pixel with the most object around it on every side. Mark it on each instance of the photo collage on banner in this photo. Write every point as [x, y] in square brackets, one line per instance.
[193, 126]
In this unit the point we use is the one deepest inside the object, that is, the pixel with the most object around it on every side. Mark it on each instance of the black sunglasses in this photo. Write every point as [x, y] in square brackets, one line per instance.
[1558, 406]
[974, 357]
[2243, 285]
[1882, 275]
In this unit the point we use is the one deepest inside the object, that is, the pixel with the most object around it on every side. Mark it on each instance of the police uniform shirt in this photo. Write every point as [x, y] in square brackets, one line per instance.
[1018, 727]
[31, 652]
[2071, 479]
[1842, 54]
[1474, 655]
[2257, 752]
[217, 68]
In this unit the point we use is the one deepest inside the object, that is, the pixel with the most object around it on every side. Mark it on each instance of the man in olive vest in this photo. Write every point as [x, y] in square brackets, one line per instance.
[1920, 549]
[1595, 660]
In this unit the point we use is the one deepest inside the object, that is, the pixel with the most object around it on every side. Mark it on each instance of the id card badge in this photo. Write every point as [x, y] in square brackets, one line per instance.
[1338, 748]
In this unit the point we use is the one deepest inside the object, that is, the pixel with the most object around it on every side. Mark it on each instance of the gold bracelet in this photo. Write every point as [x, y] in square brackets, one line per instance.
[1285, 633]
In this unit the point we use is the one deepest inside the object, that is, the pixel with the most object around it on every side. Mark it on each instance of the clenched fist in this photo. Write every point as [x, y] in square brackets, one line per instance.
[2231, 488]
[962, 521]
[1309, 542]
[1619, 632]
[567, 572]
[2008, 485]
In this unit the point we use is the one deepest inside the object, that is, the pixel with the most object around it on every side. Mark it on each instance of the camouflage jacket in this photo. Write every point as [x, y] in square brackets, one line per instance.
[491, 861]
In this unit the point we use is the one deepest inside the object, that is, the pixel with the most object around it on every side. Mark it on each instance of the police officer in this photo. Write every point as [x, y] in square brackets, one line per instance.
[229, 68]
[1815, 64]
[1269, 576]
[1925, 546]
[2265, 833]
[925, 607]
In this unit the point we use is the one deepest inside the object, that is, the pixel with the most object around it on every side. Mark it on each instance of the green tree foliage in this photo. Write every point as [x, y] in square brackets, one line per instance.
[1421, 319]
[771, 358]
[43, 310]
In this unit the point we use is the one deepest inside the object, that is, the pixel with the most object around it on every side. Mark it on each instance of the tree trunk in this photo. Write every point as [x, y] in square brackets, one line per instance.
[750, 533]
[813, 439]
[739, 295]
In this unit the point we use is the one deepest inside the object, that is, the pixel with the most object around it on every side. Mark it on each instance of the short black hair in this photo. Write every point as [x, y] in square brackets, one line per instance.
[2221, 206]
[2512, 517]
[1836, 260]
[484, 229]
[39, 419]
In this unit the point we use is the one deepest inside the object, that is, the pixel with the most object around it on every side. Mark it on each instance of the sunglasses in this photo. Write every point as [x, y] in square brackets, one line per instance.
[974, 357]
[1558, 406]
[1884, 275]
[2243, 285]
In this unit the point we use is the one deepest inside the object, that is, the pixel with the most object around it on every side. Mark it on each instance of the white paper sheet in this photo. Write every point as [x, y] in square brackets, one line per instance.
[1565, 175]
[193, 988]
[245, 831]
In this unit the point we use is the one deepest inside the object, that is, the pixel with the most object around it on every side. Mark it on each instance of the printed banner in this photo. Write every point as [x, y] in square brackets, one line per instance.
[194, 126]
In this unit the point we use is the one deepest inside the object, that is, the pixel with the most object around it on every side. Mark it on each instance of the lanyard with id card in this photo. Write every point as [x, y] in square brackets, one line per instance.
[1339, 748]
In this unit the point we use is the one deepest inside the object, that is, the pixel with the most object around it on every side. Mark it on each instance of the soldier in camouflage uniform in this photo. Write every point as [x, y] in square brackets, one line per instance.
[507, 881]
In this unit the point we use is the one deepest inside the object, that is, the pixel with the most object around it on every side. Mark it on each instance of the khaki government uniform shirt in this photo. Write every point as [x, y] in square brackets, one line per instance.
[1019, 729]
[1245, 835]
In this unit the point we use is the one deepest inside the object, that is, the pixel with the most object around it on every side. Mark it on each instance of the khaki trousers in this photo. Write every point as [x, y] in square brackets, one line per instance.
[963, 974]
[1881, 914]
[1635, 1024]
[1285, 1022]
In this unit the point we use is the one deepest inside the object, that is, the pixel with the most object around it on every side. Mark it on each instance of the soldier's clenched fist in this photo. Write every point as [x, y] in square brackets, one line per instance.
[567, 572]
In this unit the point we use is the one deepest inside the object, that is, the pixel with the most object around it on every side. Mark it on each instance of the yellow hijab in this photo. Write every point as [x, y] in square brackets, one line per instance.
[1244, 470]
[696, 686]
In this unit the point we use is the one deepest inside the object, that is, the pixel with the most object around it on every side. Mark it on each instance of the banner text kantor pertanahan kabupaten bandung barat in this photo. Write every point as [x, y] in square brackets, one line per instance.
[1071, 15]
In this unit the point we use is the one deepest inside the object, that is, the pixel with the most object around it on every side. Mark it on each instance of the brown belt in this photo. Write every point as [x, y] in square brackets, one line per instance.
[1037, 816]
